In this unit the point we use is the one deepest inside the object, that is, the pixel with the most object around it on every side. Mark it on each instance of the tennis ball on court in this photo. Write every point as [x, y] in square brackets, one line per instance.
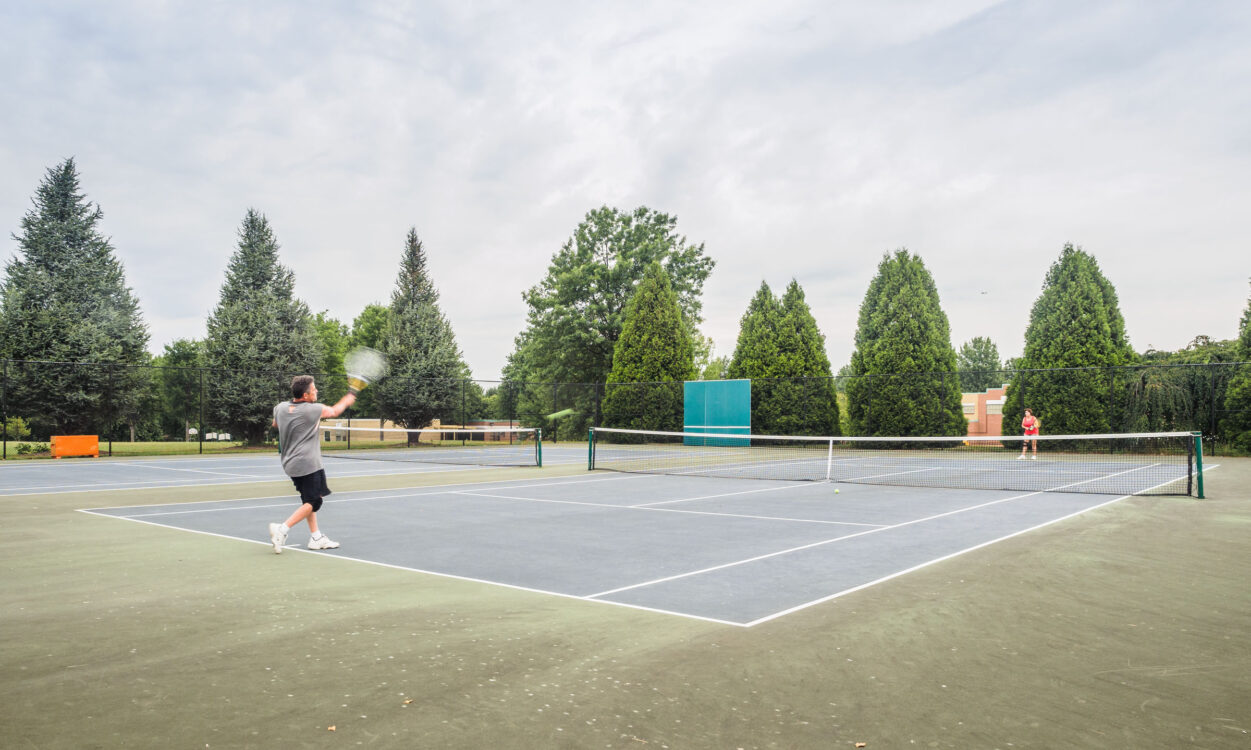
[835, 492]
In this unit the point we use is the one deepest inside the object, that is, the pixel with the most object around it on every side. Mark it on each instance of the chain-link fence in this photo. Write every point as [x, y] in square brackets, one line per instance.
[154, 410]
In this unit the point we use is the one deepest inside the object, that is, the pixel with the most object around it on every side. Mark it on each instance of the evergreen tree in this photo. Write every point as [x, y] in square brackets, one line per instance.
[427, 372]
[653, 356]
[1076, 325]
[811, 407]
[781, 350]
[65, 299]
[1237, 423]
[980, 368]
[758, 333]
[259, 336]
[903, 365]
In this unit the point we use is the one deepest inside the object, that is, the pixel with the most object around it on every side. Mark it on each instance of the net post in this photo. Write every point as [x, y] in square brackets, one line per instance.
[590, 449]
[538, 446]
[1198, 450]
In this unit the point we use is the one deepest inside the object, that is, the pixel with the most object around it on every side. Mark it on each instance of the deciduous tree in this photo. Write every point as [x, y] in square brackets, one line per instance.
[980, 368]
[1237, 422]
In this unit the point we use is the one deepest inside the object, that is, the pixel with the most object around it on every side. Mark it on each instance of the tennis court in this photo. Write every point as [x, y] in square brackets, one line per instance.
[79, 475]
[556, 607]
[733, 551]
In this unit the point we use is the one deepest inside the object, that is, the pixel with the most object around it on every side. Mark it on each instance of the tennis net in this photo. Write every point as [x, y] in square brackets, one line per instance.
[482, 446]
[1123, 464]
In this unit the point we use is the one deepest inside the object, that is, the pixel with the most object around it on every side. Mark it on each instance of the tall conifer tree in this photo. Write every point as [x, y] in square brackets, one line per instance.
[1076, 329]
[812, 407]
[758, 337]
[904, 364]
[65, 299]
[259, 336]
[656, 352]
[427, 371]
[781, 350]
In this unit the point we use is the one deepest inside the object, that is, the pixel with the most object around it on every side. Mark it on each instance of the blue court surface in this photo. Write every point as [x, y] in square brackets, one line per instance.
[86, 474]
[733, 551]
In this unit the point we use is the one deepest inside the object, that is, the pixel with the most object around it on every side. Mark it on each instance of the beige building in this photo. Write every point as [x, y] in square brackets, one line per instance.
[984, 411]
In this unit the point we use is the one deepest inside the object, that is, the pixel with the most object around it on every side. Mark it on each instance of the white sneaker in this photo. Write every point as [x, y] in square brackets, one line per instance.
[278, 535]
[1021, 457]
[323, 543]
[1034, 457]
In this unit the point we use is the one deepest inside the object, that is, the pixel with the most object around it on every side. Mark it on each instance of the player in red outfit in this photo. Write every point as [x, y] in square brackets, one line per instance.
[1030, 424]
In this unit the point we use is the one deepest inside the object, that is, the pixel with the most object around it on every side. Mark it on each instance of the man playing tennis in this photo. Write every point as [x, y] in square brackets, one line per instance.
[1030, 424]
[298, 421]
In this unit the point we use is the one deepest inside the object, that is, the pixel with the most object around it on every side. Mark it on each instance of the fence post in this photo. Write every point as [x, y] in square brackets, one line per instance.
[111, 395]
[1112, 400]
[1212, 410]
[200, 433]
[4, 410]
[868, 408]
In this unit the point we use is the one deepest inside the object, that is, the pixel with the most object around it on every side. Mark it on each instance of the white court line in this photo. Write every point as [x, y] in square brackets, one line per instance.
[835, 539]
[118, 486]
[593, 597]
[729, 494]
[437, 489]
[528, 589]
[914, 568]
[179, 468]
[647, 508]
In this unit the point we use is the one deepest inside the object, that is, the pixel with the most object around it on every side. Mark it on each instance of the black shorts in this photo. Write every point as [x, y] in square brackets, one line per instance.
[312, 488]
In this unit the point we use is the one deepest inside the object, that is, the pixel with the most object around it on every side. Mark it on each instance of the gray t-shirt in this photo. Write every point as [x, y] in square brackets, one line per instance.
[297, 435]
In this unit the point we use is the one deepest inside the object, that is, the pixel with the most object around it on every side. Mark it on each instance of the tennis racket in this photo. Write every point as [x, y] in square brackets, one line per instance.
[364, 366]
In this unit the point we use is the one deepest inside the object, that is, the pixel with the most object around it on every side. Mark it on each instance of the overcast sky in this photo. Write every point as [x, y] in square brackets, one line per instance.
[794, 139]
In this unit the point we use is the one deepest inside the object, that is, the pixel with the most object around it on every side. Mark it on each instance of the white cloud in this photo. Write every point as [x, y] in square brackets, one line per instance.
[793, 139]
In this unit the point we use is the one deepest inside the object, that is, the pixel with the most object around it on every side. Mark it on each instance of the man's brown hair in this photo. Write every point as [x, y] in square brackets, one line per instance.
[300, 385]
